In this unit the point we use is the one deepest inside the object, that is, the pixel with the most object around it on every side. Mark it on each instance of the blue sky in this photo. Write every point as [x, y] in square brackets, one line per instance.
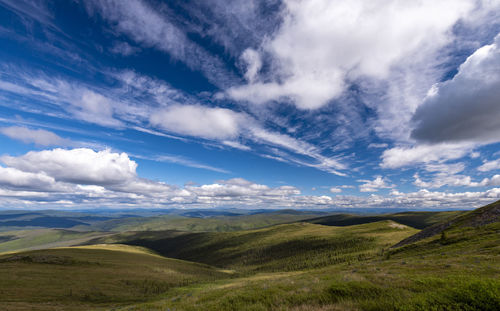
[249, 104]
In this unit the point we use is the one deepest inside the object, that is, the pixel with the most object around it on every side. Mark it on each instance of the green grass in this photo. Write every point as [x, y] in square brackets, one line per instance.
[43, 238]
[297, 266]
[417, 220]
[288, 247]
[215, 224]
[461, 273]
[94, 277]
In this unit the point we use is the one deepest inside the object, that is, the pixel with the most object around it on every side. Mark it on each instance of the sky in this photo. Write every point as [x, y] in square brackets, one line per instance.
[314, 104]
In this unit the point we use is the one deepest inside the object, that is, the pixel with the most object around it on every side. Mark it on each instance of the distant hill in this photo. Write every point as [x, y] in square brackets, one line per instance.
[418, 220]
[187, 220]
[203, 221]
[479, 217]
[44, 238]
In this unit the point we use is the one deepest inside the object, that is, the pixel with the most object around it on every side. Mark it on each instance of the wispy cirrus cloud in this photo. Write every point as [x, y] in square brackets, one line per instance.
[147, 26]
[153, 106]
[39, 137]
[176, 159]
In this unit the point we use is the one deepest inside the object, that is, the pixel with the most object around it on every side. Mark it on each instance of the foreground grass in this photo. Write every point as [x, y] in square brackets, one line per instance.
[459, 273]
[298, 266]
[92, 277]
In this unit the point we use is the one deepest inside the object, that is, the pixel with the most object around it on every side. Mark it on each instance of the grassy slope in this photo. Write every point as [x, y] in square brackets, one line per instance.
[459, 273]
[279, 248]
[43, 238]
[287, 267]
[92, 277]
[417, 220]
[219, 224]
[476, 218]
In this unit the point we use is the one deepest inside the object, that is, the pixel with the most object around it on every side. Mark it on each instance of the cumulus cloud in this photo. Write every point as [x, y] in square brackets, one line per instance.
[39, 137]
[23, 184]
[239, 187]
[374, 185]
[199, 121]
[12, 178]
[467, 107]
[81, 165]
[315, 59]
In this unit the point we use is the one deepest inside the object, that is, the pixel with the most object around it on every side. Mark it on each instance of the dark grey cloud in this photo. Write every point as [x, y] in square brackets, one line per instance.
[466, 108]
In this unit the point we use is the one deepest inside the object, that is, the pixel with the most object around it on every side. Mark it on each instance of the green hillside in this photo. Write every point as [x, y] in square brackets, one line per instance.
[279, 248]
[43, 238]
[473, 219]
[419, 220]
[459, 273]
[92, 277]
[193, 224]
[295, 266]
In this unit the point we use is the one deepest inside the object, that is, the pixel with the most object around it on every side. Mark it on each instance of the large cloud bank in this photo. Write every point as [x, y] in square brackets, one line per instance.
[86, 178]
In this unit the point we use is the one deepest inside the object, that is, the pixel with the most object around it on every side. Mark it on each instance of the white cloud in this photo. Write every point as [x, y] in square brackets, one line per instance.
[199, 121]
[490, 166]
[94, 108]
[253, 63]
[182, 161]
[236, 145]
[374, 185]
[475, 155]
[77, 99]
[146, 25]
[16, 179]
[223, 124]
[374, 145]
[450, 179]
[328, 164]
[242, 188]
[322, 46]
[139, 99]
[125, 49]
[39, 137]
[466, 108]
[404, 156]
[81, 165]
[24, 185]
[335, 190]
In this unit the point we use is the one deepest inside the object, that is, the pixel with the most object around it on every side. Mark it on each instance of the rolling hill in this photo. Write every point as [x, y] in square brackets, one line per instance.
[278, 248]
[418, 220]
[292, 266]
[476, 218]
[92, 277]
